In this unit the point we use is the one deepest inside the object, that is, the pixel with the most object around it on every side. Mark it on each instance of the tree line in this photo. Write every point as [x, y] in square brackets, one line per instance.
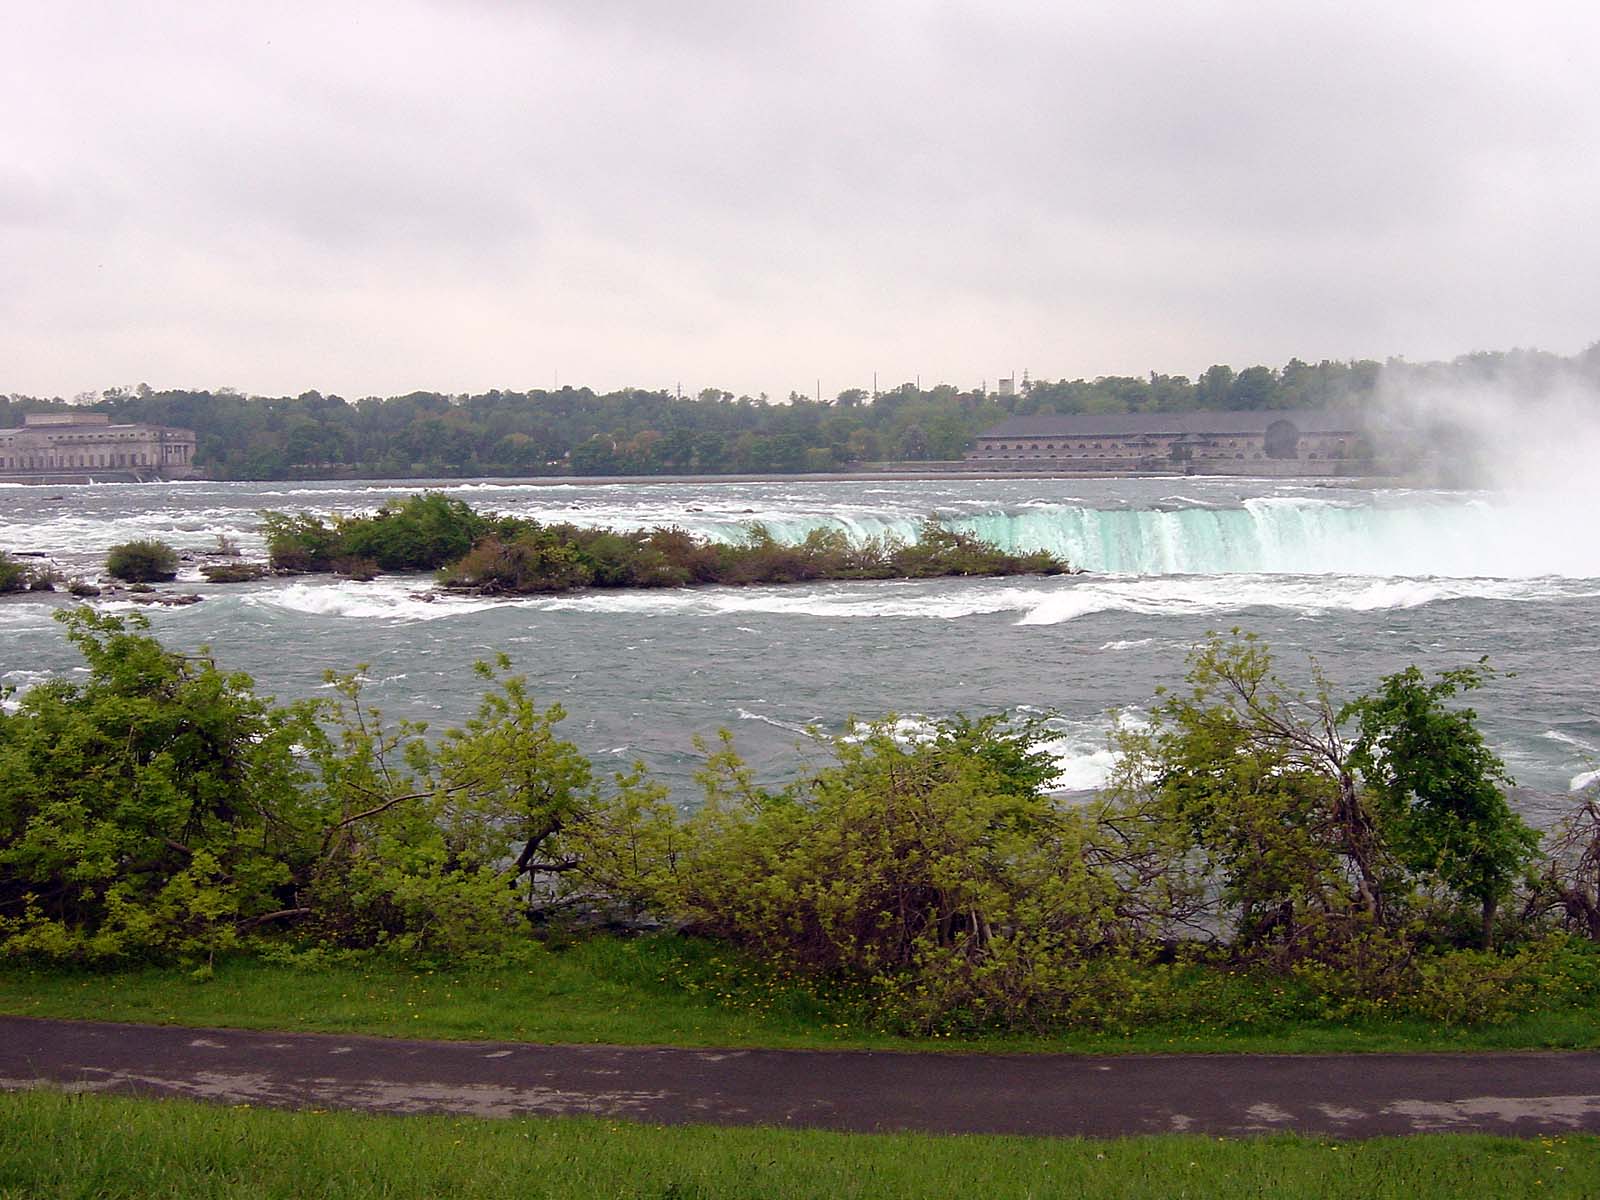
[639, 431]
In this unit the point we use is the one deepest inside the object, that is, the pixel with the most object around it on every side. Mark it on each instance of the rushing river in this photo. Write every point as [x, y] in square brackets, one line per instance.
[1364, 581]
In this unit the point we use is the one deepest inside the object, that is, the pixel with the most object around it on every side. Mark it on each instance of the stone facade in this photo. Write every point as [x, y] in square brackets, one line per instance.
[1206, 443]
[81, 447]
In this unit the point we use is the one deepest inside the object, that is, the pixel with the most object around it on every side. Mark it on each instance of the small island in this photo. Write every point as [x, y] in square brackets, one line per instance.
[502, 555]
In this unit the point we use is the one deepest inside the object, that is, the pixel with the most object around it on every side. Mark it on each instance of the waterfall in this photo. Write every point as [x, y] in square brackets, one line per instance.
[1439, 535]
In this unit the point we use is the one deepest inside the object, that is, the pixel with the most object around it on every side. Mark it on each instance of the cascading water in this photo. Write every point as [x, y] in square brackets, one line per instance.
[1454, 537]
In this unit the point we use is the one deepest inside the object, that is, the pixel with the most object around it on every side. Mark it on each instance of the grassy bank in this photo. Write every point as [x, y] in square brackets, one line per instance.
[57, 1146]
[673, 991]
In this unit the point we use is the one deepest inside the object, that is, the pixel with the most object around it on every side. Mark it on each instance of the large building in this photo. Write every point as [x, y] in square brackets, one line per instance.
[1300, 442]
[57, 447]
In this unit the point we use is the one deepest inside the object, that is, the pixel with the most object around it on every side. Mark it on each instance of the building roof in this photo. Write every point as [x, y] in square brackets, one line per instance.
[1249, 421]
[39, 420]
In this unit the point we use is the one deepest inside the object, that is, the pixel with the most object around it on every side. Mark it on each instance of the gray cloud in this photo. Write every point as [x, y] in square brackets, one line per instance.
[374, 197]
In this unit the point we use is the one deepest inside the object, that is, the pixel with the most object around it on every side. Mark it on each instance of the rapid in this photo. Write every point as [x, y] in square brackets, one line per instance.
[1363, 581]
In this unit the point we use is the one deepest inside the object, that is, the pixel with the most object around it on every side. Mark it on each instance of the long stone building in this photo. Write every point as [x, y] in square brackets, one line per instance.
[1300, 442]
[58, 447]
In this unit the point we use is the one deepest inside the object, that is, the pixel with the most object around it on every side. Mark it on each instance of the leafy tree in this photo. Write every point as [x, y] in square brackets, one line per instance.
[930, 868]
[1315, 833]
[141, 811]
[162, 809]
[1438, 787]
[147, 561]
[441, 847]
[1255, 387]
[1254, 782]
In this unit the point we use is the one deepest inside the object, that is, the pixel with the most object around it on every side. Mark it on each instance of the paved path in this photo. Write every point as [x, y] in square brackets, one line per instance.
[1341, 1095]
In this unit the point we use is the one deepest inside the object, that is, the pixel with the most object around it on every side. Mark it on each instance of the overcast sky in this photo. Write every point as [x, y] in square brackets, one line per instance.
[375, 198]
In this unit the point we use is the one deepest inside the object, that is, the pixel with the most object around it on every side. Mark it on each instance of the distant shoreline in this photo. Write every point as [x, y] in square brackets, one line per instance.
[882, 476]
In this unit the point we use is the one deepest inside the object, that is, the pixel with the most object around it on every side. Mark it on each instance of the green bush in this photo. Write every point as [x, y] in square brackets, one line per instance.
[526, 564]
[147, 561]
[23, 577]
[161, 809]
[300, 542]
[419, 533]
[234, 572]
[1240, 870]
[931, 868]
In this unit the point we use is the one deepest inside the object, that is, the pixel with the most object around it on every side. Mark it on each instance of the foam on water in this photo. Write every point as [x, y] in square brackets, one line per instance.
[1586, 751]
[1299, 562]
[382, 600]
[1033, 601]
[17, 616]
[1311, 595]
[1080, 750]
[16, 684]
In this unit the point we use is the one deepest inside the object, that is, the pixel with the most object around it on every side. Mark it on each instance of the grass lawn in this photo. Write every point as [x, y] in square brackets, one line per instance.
[53, 1145]
[673, 991]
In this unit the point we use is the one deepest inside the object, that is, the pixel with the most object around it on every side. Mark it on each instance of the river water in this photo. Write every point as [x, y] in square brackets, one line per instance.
[1364, 581]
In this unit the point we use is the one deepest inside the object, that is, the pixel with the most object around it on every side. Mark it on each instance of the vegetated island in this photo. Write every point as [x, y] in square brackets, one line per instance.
[506, 555]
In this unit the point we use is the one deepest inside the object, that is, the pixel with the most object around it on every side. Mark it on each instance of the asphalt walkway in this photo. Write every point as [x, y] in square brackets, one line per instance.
[1522, 1094]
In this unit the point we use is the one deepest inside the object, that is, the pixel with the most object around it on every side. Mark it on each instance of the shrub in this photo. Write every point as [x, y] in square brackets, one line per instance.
[362, 570]
[239, 572]
[131, 805]
[931, 868]
[299, 542]
[420, 533]
[14, 577]
[526, 564]
[23, 577]
[161, 809]
[147, 561]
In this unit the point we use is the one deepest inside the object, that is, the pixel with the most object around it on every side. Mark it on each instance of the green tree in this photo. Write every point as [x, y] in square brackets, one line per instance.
[932, 869]
[1256, 387]
[162, 809]
[147, 561]
[1438, 788]
[142, 811]
[1249, 783]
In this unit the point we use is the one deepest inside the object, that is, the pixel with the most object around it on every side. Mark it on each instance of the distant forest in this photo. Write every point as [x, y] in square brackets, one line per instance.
[635, 431]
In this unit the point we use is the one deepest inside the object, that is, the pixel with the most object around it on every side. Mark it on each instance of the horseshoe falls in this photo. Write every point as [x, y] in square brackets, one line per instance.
[1451, 537]
[1363, 581]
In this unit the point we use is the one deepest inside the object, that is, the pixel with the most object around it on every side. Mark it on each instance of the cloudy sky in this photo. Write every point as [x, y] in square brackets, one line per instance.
[374, 198]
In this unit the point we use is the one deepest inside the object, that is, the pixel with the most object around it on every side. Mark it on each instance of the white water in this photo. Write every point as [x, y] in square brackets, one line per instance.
[1366, 581]
[1026, 601]
[1505, 537]
[1208, 529]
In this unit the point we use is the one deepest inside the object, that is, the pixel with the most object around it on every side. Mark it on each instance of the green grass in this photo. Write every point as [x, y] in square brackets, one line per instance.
[675, 991]
[54, 1145]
